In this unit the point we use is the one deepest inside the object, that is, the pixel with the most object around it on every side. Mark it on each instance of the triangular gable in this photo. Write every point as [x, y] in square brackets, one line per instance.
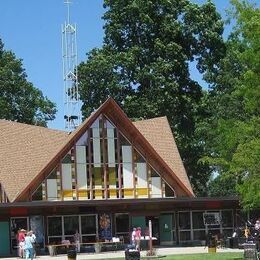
[122, 122]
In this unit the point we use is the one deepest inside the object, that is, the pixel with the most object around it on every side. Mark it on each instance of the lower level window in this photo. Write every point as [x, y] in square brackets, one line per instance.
[122, 223]
[64, 228]
[199, 235]
[71, 225]
[185, 235]
[54, 226]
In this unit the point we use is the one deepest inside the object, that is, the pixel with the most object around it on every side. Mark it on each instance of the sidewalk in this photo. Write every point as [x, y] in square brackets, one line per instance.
[118, 254]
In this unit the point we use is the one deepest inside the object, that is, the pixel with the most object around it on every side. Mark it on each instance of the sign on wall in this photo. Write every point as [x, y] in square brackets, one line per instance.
[105, 227]
[211, 218]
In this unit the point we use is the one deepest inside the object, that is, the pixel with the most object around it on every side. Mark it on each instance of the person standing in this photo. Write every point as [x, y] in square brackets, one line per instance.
[20, 238]
[28, 246]
[138, 238]
[33, 236]
[133, 237]
[77, 241]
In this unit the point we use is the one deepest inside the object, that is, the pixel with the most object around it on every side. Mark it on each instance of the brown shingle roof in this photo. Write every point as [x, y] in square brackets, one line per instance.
[24, 151]
[158, 133]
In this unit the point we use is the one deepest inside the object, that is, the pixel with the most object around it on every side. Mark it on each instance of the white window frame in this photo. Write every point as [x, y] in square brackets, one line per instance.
[80, 231]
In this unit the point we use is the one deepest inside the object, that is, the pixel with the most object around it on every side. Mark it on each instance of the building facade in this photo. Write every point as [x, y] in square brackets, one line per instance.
[101, 180]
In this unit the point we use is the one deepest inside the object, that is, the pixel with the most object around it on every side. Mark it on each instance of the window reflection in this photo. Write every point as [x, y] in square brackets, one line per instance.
[71, 225]
[88, 224]
[184, 220]
[54, 226]
[197, 220]
[122, 223]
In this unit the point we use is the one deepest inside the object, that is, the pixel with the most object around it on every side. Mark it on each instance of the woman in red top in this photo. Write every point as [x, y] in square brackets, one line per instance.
[138, 238]
[20, 238]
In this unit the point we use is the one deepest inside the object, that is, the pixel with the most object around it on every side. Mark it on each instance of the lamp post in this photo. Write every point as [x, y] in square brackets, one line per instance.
[150, 237]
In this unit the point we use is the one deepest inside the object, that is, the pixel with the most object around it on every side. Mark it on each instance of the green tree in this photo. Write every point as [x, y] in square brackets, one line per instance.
[144, 65]
[19, 100]
[233, 136]
[222, 186]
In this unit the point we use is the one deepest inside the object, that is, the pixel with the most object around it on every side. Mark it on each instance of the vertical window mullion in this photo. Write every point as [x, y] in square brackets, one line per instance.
[134, 170]
[97, 226]
[119, 164]
[191, 225]
[63, 230]
[102, 137]
[89, 168]
[80, 233]
[75, 174]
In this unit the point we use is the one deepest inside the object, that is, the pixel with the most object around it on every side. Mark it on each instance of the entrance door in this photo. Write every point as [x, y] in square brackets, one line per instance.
[155, 228]
[139, 221]
[16, 224]
[4, 239]
[166, 237]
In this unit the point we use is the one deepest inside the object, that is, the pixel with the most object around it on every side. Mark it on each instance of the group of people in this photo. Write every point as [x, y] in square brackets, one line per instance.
[26, 244]
[252, 230]
[136, 238]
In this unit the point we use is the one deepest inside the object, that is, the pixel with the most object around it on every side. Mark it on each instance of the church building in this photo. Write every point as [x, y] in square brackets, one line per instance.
[103, 179]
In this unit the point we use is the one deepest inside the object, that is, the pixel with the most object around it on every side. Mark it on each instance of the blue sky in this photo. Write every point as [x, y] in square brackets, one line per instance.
[32, 30]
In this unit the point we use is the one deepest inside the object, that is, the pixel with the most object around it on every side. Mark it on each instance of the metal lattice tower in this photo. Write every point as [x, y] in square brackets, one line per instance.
[72, 113]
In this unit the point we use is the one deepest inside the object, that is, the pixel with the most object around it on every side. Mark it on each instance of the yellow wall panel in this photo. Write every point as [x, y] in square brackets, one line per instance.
[67, 193]
[128, 192]
[142, 191]
[82, 193]
[98, 193]
[112, 193]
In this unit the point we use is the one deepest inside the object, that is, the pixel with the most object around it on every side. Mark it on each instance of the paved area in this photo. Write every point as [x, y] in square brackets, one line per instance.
[118, 254]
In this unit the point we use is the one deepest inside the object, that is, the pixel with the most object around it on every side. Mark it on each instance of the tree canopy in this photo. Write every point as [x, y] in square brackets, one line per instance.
[233, 130]
[19, 100]
[144, 64]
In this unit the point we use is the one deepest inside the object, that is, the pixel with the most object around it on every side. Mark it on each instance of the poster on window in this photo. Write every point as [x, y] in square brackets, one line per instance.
[104, 222]
[211, 218]
[36, 223]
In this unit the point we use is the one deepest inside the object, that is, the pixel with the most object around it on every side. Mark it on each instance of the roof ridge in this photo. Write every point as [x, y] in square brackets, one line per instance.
[148, 119]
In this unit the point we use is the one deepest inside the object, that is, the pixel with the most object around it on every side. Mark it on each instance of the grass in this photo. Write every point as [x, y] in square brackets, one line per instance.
[217, 256]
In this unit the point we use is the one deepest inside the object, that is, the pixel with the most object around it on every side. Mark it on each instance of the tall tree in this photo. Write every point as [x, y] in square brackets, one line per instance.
[19, 100]
[144, 65]
[234, 139]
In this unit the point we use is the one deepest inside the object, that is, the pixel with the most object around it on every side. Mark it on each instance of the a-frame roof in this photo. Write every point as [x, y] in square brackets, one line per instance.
[158, 133]
[24, 151]
[28, 152]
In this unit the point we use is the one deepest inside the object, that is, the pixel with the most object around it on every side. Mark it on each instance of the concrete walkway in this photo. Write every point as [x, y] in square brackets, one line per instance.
[117, 254]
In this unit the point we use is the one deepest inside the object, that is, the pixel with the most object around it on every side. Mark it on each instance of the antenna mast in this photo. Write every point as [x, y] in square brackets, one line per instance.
[72, 113]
